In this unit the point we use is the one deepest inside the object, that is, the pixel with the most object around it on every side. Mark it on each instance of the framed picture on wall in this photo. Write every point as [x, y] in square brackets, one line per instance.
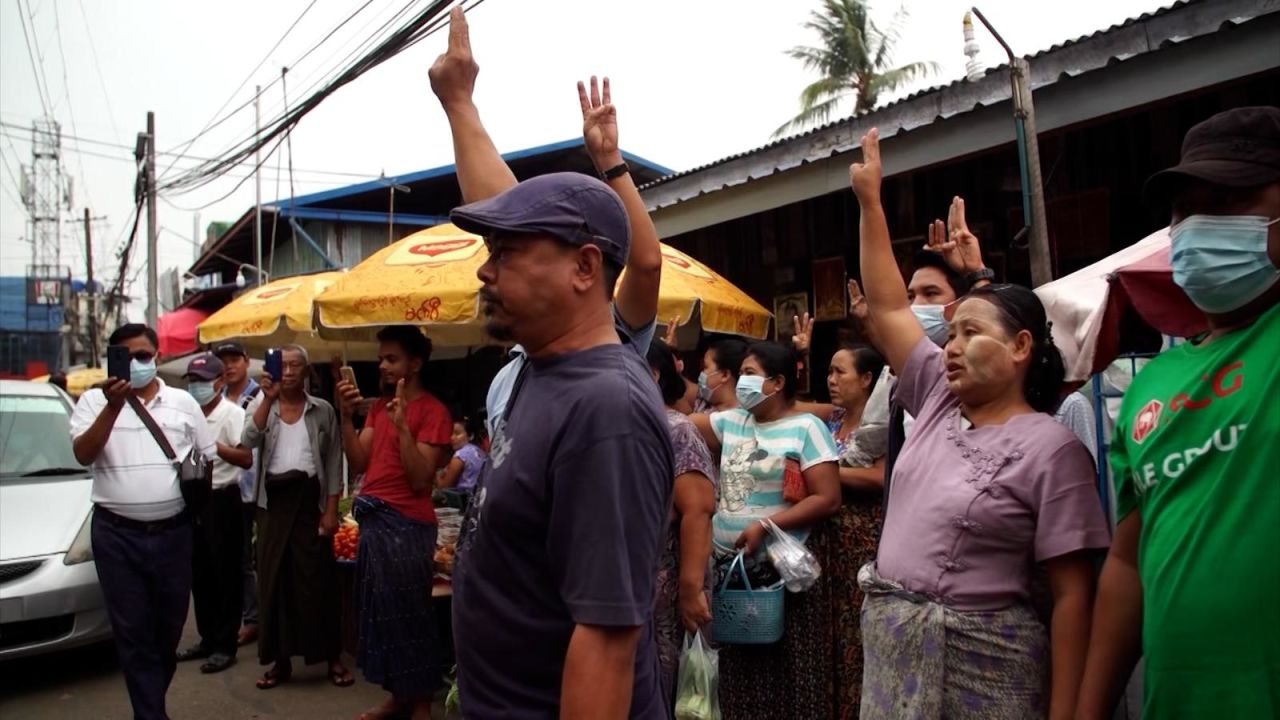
[829, 280]
[785, 309]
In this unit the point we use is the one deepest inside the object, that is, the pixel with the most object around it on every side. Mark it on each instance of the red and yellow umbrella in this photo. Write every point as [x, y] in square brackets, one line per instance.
[429, 279]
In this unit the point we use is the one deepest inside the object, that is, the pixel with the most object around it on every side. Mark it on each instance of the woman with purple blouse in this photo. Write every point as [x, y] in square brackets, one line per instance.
[684, 579]
[987, 485]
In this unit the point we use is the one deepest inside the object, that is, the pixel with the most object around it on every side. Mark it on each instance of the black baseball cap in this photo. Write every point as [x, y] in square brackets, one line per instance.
[1237, 148]
[205, 366]
[575, 208]
[229, 348]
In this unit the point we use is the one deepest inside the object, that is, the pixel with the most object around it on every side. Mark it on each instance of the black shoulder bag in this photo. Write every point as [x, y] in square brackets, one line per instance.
[195, 472]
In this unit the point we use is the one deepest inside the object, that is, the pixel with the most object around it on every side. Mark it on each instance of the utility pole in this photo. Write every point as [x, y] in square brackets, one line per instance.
[93, 293]
[257, 183]
[1024, 119]
[196, 242]
[153, 230]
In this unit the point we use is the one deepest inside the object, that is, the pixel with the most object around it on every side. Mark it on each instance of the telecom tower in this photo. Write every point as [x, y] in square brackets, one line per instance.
[46, 192]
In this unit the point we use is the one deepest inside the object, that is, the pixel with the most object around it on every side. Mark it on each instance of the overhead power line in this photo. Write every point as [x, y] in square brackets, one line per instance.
[37, 68]
[411, 33]
[244, 82]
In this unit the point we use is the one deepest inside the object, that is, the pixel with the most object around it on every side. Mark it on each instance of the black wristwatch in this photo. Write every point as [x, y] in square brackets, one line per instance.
[616, 171]
[978, 276]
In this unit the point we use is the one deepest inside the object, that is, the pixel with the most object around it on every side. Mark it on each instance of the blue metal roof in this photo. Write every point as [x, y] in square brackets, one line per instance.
[445, 170]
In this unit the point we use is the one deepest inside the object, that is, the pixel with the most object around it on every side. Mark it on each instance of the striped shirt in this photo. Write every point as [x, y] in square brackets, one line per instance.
[132, 477]
[753, 459]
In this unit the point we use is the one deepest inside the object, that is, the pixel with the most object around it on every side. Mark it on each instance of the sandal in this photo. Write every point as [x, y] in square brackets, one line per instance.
[274, 677]
[341, 677]
[388, 709]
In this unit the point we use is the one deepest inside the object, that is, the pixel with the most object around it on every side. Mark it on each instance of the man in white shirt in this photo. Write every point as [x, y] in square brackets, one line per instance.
[216, 582]
[141, 534]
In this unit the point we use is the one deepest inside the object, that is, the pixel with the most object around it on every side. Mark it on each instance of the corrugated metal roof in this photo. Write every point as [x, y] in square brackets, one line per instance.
[1150, 31]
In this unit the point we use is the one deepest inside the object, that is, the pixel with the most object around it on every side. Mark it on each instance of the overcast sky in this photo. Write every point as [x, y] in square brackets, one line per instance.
[694, 81]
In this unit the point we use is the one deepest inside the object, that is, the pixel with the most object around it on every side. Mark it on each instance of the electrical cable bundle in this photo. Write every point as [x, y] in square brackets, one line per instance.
[422, 25]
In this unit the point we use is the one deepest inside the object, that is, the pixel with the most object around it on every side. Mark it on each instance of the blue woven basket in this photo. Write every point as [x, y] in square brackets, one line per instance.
[747, 617]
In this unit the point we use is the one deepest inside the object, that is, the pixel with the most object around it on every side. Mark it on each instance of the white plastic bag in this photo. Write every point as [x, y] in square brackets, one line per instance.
[697, 683]
[793, 561]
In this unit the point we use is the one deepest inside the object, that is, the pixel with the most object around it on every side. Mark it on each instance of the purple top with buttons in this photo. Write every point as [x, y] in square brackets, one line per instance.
[971, 509]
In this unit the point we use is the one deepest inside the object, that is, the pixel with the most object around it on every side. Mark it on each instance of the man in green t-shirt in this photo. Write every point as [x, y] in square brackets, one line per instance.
[1192, 581]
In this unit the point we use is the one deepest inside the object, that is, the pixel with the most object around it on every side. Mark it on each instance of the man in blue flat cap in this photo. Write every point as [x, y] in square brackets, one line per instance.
[554, 586]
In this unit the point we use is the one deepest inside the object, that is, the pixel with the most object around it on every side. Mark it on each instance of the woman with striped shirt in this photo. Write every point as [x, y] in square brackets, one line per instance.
[776, 463]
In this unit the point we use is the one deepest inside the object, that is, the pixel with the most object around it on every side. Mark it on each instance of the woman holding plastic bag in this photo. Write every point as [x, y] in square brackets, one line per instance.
[777, 463]
[858, 418]
[986, 485]
[684, 568]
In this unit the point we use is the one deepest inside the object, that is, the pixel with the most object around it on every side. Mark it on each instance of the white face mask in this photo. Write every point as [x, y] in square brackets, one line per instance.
[204, 392]
[141, 373]
[934, 324]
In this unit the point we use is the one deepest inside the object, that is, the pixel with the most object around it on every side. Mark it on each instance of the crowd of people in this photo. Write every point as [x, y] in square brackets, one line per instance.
[947, 491]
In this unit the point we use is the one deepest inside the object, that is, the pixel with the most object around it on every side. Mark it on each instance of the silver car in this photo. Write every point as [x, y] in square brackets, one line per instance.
[49, 593]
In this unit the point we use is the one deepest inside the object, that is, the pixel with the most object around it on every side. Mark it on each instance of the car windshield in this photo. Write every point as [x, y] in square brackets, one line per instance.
[35, 439]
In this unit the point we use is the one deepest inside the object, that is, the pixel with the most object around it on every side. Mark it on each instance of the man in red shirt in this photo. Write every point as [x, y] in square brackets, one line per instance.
[404, 441]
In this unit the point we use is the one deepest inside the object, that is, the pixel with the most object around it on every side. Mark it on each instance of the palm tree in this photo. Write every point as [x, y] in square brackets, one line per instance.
[855, 58]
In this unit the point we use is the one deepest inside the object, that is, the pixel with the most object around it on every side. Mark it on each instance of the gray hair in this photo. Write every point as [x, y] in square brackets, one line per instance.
[306, 358]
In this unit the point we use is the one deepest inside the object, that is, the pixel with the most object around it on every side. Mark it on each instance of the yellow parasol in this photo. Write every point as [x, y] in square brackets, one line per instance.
[79, 380]
[690, 289]
[278, 313]
[429, 279]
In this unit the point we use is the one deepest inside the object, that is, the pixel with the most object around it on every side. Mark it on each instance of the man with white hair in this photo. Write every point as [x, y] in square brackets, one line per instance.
[297, 487]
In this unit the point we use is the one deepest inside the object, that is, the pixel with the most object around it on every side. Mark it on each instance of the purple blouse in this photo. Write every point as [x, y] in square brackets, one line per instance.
[971, 509]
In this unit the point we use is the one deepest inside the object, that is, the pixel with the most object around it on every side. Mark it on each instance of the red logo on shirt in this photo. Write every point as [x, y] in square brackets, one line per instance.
[1146, 420]
[1227, 380]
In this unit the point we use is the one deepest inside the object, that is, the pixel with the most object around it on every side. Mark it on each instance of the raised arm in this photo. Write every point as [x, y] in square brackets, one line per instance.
[482, 173]
[886, 293]
[957, 245]
[637, 297]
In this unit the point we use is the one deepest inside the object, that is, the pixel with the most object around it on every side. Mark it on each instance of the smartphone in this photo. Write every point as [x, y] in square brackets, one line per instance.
[274, 365]
[118, 361]
[349, 374]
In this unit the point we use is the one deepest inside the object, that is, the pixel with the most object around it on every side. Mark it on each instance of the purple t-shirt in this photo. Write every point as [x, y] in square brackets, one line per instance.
[971, 509]
[565, 528]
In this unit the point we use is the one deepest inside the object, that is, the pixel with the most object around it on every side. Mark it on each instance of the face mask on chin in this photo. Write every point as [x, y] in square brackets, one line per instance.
[1221, 261]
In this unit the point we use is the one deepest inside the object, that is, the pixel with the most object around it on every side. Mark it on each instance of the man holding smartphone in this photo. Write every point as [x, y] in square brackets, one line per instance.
[141, 532]
[298, 483]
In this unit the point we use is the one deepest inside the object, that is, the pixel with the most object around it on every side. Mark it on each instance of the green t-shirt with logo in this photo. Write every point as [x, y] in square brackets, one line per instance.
[1197, 452]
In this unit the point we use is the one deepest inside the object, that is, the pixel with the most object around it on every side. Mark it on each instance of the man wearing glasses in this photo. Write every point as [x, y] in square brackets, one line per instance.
[141, 531]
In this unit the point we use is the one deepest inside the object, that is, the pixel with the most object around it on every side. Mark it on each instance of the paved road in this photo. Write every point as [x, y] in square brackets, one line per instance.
[87, 683]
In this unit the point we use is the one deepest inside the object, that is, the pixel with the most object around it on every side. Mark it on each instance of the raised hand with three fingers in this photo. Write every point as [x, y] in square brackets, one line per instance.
[865, 176]
[957, 245]
[802, 334]
[599, 124]
[857, 302]
[453, 75]
[669, 337]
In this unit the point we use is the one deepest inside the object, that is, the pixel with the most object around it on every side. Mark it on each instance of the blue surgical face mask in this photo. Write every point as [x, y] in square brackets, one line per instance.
[750, 391]
[705, 391]
[141, 373]
[934, 324]
[203, 392]
[1221, 261]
